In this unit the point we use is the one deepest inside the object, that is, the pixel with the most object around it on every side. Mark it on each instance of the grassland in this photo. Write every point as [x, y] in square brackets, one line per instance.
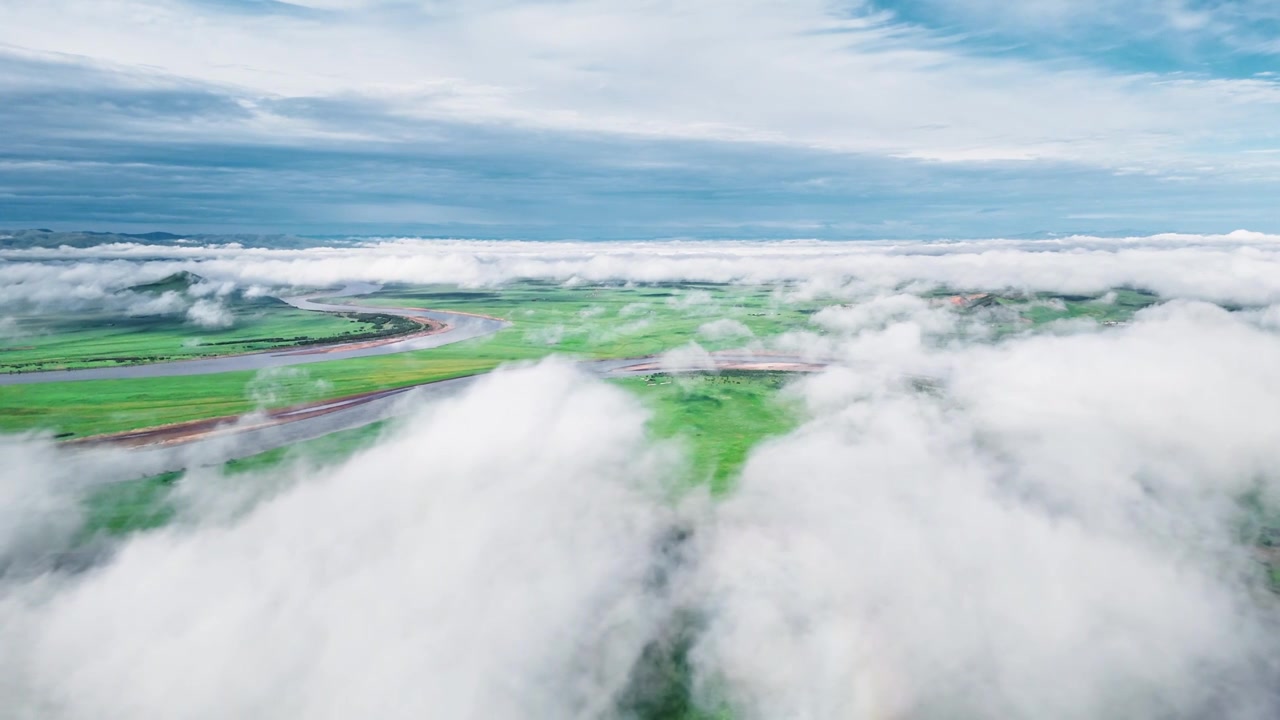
[145, 504]
[585, 321]
[719, 418]
[1115, 307]
[106, 339]
[92, 407]
[610, 321]
[547, 319]
[1016, 313]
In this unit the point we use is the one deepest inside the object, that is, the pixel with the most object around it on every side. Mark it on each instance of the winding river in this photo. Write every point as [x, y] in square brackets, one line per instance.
[458, 327]
[213, 442]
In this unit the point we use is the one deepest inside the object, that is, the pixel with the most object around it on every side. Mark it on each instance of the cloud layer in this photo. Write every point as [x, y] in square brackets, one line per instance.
[1054, 537]
[478, 584]
[1058, 525]
[1240, 267]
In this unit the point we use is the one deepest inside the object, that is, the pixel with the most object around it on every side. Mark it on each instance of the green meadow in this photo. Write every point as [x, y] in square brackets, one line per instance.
[587, 322]
[148, 503]
[608, 321]
[93, 407]
[102, 339]
[717, 418]
[597, 321]
[1115, 307]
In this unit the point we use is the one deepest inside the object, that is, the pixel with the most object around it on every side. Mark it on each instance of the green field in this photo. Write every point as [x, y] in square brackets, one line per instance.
[104, 339]
[147, 503]
[93, 407]
[583, 321]
[587, 322]
[609, 321]
[718, 418]
[1117, 307]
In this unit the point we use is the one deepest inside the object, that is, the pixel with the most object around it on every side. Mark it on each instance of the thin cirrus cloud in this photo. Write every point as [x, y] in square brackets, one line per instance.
[1235, 38]
[597, 118]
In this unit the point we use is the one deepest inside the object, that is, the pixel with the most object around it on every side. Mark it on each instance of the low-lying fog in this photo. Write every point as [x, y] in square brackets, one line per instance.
[1054, 525]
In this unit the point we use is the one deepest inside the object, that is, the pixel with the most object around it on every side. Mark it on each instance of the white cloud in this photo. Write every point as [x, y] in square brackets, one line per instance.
[724, 329]
[760, 71]
[210, 314]
[39, 510]
[1054, 536]
[1238, 267]
[879, 312]
[168, 302]
[445, 573]
[1051, 530]
[690, 357]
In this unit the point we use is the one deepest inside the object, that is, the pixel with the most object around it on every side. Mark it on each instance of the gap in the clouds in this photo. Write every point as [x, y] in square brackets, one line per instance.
[122, 508]
[264, 7]
[1259, 527]
[719, 417]
[1211, 39]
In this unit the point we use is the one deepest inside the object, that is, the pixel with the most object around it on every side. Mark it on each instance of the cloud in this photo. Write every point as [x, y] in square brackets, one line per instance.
[724, 329]
[1055, 536]
[593, 73]
[690, 357]
[1046, 525]
[879, 312]
[9, 328]
[1239, 267]
[431, 575]
[210, 314]
[509, 119]
[168, 302]
[39, 511]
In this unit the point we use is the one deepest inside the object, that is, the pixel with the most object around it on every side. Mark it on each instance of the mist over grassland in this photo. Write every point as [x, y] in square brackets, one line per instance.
[972, 515]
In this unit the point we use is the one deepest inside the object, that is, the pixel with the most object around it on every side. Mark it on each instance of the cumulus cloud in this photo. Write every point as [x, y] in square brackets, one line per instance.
[690, 357]
[1056, 535]
[502, 576]
[168, 302]
[1239, 267]
[102, 283]
[39, 510]
[1050, 525]
[284, 385]
[879, 312]
[724, 329]
[210, 314]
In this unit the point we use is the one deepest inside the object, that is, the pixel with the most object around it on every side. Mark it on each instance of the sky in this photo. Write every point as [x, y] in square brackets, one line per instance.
[638, 119]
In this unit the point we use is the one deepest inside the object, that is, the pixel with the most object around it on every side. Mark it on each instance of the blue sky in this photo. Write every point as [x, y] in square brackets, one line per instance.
[644, 118]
